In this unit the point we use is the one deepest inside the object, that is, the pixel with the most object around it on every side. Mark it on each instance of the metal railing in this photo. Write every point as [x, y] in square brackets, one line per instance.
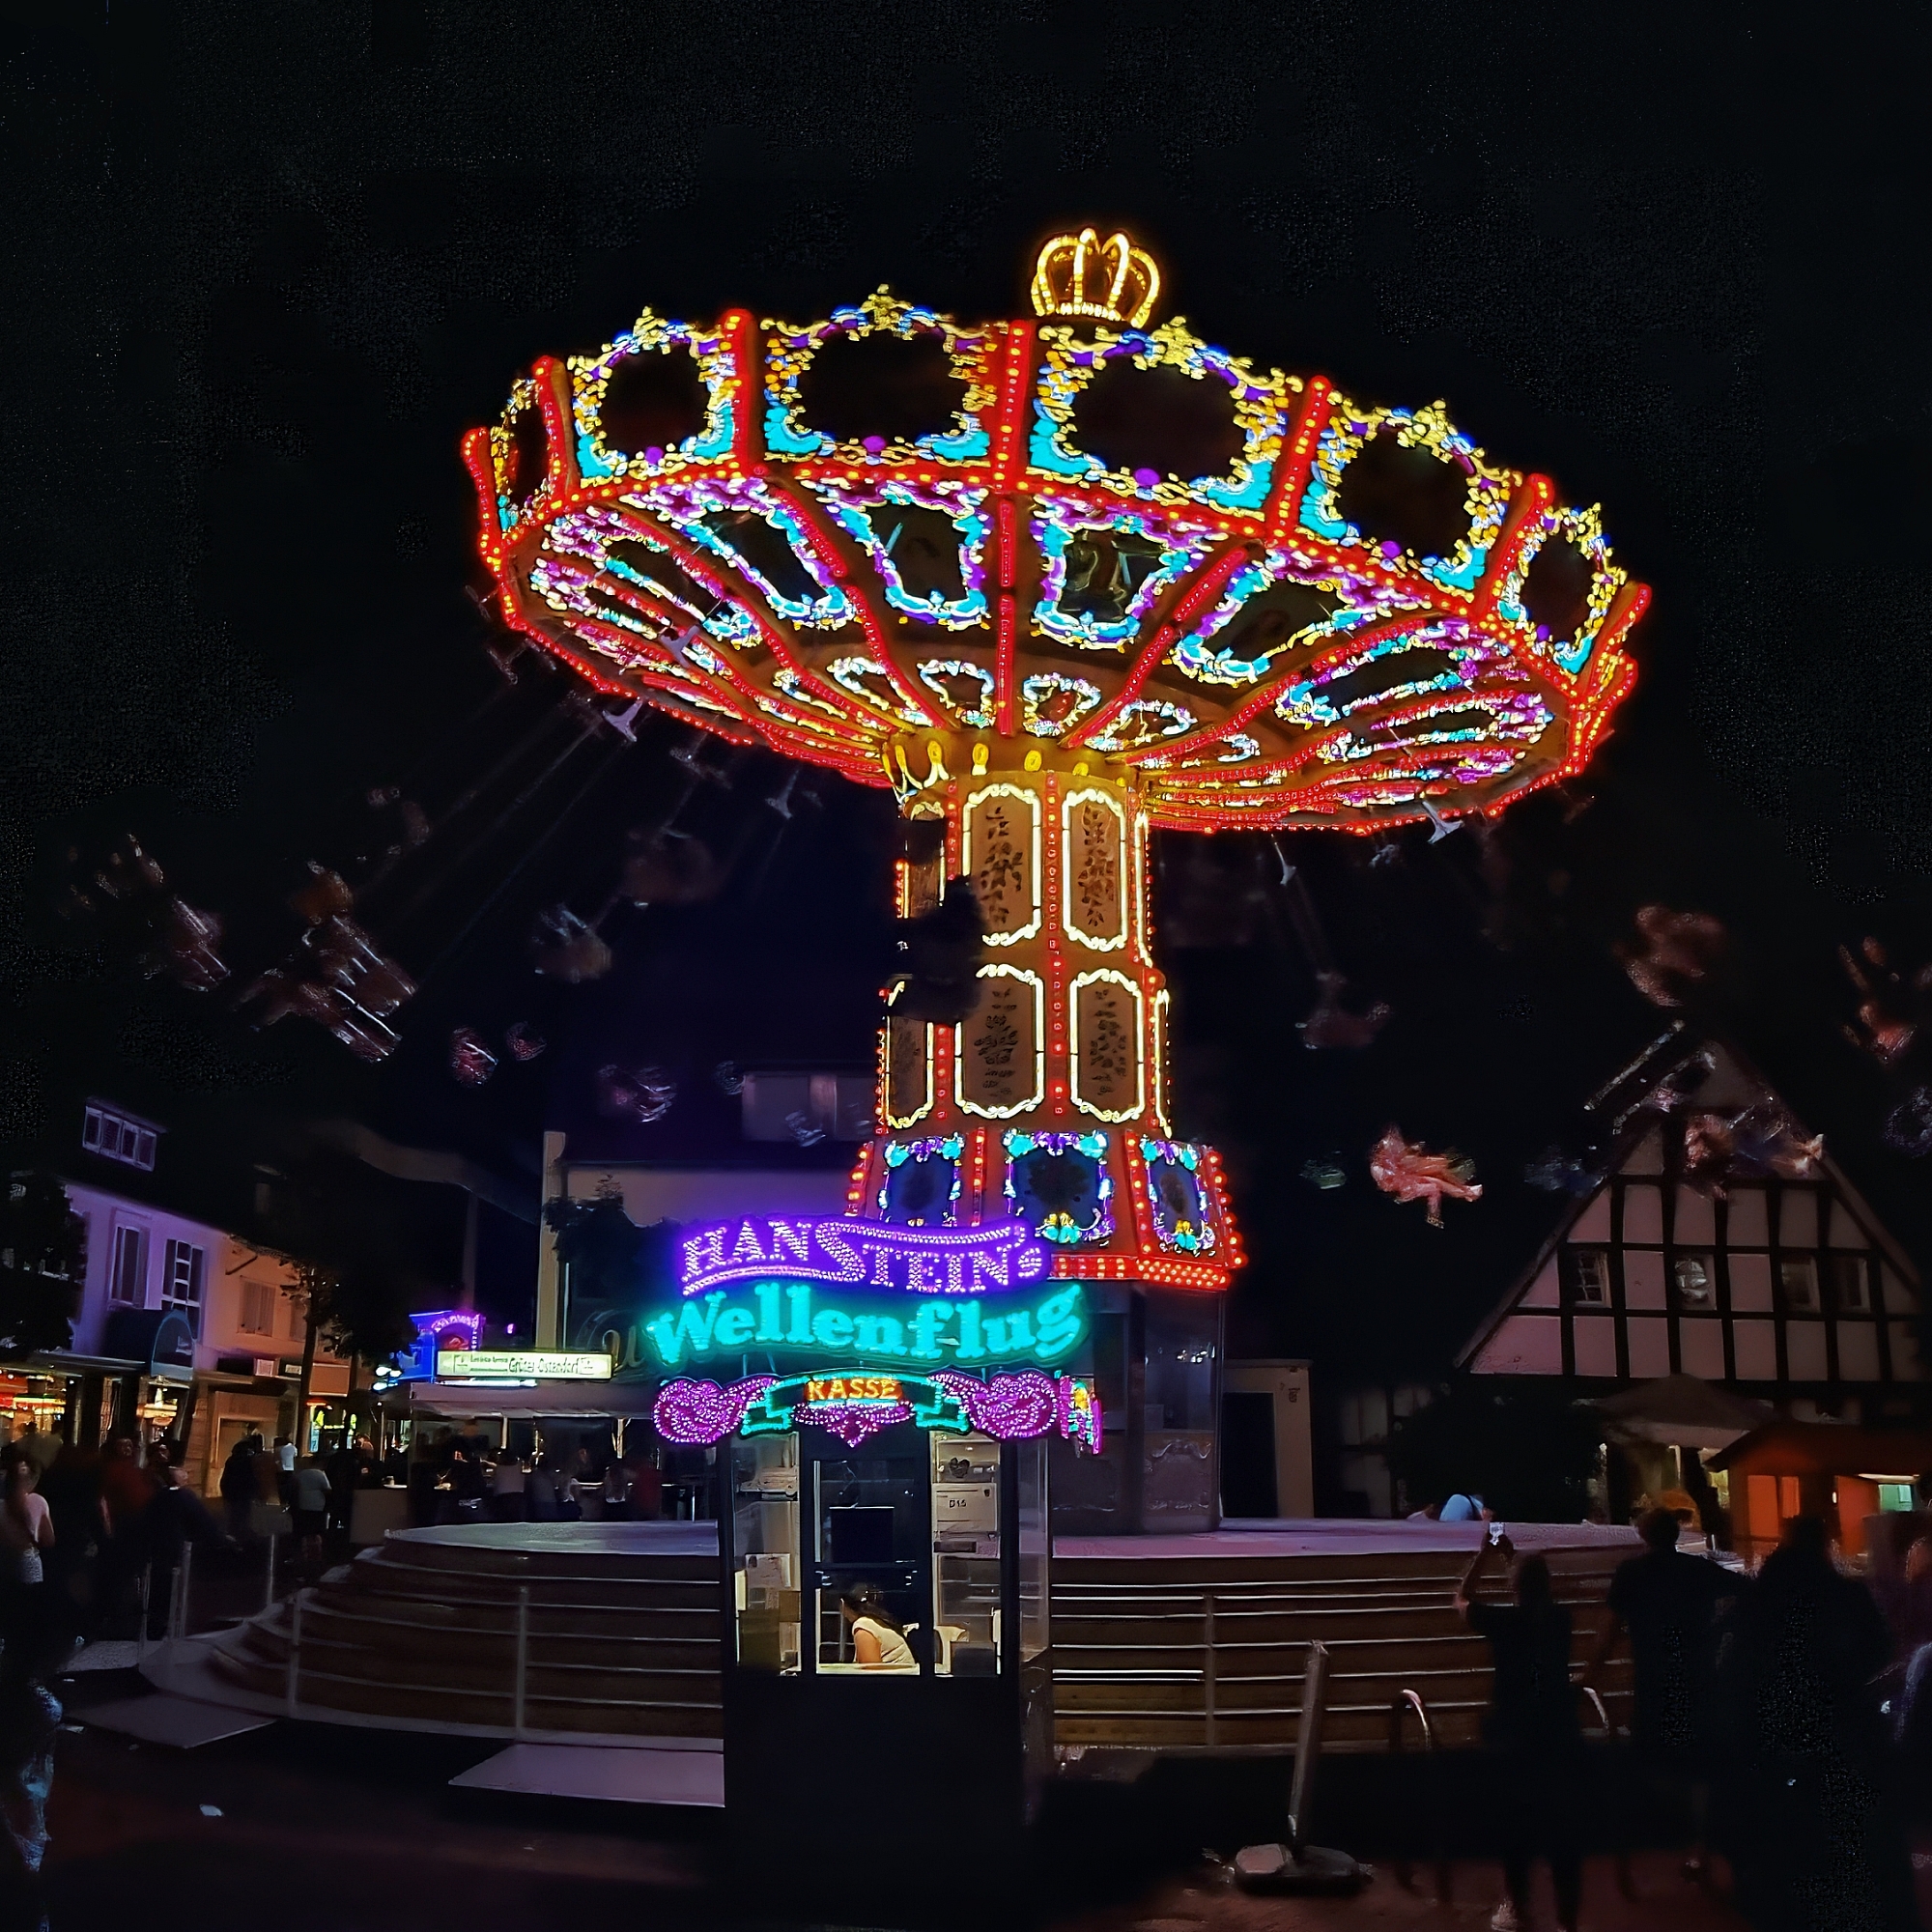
[1402, 1702]
[1213, 1658]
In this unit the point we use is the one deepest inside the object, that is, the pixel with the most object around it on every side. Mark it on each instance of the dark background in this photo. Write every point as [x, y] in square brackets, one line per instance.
[265, 263]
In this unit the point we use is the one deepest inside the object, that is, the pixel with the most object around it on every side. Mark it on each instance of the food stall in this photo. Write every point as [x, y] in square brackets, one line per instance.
[1854, 1478]
[885, 1432]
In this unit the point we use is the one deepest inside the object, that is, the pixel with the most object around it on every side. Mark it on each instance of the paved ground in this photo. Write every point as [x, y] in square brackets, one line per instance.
[317, 1828]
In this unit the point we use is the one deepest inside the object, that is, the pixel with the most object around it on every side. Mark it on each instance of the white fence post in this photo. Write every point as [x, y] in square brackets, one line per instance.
[295, 1650]
[1207, 1685]
[522, 1666]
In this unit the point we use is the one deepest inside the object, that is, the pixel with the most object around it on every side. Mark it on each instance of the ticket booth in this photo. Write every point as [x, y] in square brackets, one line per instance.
[873, 1466]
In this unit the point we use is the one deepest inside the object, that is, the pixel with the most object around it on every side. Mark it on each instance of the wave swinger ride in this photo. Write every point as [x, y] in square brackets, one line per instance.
[1057, 580]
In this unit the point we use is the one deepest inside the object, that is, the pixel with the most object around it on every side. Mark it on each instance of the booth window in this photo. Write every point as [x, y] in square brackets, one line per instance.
[1589, 1276]
[1798, 1280]
[1693, 1278]
[127, 1268]
[1848, 1284]
[180, 1283]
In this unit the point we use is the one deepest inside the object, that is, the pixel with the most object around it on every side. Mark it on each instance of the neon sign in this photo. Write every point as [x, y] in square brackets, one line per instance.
[1011, 1407]
[794, 1315]
[862, 1253]
[437, 1331]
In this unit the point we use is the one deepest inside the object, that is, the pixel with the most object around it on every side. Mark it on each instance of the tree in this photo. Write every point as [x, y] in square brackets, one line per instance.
[611, 1264]
[1530, 1452]
[42, 1259]
[332, 1217]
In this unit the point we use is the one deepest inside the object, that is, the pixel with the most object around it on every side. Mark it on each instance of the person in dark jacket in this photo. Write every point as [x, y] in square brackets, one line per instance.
[1531, 1727]
[238, 1492]
[1821, 1838]
[176, 1517]
[345, 1471]
[1670, 1605]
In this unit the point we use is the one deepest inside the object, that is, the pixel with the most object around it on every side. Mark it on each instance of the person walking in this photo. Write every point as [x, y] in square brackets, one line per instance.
[540, 1497]
[1531, 1728]
[506, 1488]
[423, 1474]
[343, 1466]
[127, 1488]
[285, 1470]
[72, 1487]
[1669, 1605]
[310, 1488]
[238, 1492]
[176, 1517]
[26, 1542]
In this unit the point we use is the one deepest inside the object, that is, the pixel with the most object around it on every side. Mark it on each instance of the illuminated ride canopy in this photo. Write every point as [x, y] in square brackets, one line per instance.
[1056, 581]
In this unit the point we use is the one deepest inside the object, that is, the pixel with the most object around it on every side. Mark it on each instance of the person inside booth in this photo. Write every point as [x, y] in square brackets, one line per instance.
[878, 1642]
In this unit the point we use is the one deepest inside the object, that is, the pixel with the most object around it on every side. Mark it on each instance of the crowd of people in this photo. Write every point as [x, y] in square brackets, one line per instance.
[1785, 1717]
[460, 1476]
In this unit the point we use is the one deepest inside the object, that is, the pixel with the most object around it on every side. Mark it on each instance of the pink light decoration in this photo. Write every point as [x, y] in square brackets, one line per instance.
[695, 1412]
[1010, 1408]
[852, 1422]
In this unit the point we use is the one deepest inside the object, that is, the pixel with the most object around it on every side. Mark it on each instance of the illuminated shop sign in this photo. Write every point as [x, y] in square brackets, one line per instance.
[864, 1254]
[553, 1365]
[795, 1314]
[854, 1406]
[438, 1332]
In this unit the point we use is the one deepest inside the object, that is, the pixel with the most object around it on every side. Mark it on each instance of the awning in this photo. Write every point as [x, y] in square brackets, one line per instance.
[529, 1401]
[159, 1340]
[1680, 1411]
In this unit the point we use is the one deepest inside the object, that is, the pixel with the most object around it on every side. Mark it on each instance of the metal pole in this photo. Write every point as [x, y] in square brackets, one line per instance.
[186, 1585]
[174, 1600]
[523, 1659]
[295, 1650]
[1307, 1740]
[141, 1635]
[269, 1577]
[1208, 1675]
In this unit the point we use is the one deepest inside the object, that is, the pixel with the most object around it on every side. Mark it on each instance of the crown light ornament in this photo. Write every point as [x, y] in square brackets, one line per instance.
[1111, 281]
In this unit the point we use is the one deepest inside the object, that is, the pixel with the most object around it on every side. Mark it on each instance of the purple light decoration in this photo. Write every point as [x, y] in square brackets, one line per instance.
[695, 1412]
[1011, 1407]
[852, 1422]
[862, 1253]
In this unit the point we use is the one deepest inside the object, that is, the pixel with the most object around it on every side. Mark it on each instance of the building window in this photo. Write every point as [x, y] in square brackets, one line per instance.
[258, 1308]
[1695, 1279]
[127, 1268]
[118, 1136]
[1798, 1281]
[1589, 1276]
[1848, 1284]
[180, 1283]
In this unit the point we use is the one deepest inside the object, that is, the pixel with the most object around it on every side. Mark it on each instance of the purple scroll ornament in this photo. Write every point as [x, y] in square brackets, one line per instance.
[1011, 1407]
[852, 1421]
[693, 1412]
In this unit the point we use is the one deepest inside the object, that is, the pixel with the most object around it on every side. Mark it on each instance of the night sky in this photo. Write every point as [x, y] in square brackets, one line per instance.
[265, 264]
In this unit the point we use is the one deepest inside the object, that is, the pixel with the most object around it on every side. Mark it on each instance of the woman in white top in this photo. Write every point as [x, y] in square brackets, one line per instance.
[877, 1641]
[26, 1525]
